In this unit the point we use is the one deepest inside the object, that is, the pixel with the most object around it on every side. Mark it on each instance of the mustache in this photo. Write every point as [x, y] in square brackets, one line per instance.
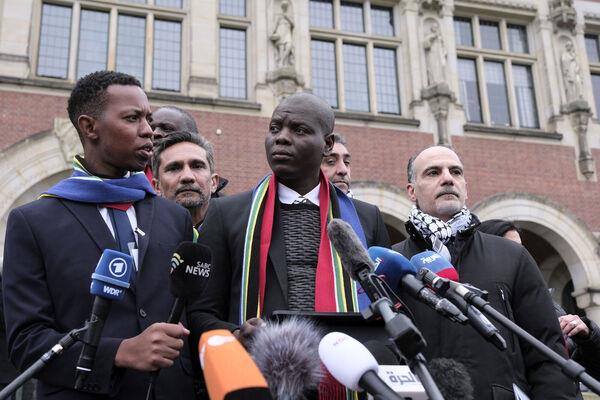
[188, 188]
[447, 191]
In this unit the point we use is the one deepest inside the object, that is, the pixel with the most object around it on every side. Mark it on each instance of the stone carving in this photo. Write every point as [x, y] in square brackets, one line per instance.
[435, 55]
[432, 5]
[68, 138]
[283, 37]
[571, 73]
[563, 14]
[440, 97]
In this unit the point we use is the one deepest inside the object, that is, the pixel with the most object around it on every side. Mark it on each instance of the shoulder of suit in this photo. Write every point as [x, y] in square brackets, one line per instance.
[238, 199]
[364, 205]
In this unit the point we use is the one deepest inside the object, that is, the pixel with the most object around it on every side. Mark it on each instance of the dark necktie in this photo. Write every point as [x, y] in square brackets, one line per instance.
[123, 233]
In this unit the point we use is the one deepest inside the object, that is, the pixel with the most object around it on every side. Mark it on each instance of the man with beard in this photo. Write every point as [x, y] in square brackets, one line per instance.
[169, 119]
[336, 164]
[441, 222]
[183, 166]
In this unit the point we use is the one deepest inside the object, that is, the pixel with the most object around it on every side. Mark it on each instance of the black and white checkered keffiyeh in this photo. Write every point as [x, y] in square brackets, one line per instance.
[437, 231]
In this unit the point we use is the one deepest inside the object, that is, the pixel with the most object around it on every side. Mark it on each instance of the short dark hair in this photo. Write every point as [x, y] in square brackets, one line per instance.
[181, 137]
[188, 120]
[497, 227]
[339, 138]
[89, 94]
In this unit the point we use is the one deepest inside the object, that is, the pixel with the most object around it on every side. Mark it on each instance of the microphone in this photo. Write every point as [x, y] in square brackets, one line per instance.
[109, 281]
[229, 372]
[399, 273]
[287, 355]
[353, 365]
[452, 378]
[190, 268]
[354, 257]
[429, 263]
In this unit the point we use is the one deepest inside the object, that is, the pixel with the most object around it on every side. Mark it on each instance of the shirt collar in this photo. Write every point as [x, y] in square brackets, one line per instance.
[287, 195]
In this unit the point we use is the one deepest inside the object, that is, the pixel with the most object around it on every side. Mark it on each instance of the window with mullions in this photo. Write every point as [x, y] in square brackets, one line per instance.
[352, 17]
[55, 31]
[355, 72]
[131, 44]
[94, 51]
[592, 47]
[167, 55]
[232, 63]
[324, 76]
[495, 64]
[93, 42]
[236, 8]
[320, 13]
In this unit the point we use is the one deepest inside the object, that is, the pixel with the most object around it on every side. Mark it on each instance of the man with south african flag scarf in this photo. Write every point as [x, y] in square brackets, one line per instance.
[53, 245]
[270, 247]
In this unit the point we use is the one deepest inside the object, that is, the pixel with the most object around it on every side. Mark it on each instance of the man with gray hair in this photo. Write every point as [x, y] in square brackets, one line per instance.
[183, 166]
[168, 119]
[440, 221]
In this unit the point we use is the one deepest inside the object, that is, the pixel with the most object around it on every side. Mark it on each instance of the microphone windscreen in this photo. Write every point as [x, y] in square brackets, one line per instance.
[435, 263]
[452, 379]
[391, 265]
[287, 355]
[111, 276]
[229, 371]
[190, 269]
[346, 359]
[348, 246]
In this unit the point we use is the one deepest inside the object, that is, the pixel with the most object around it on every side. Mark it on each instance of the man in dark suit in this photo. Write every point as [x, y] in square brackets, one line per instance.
[53, 245]
[270, 247]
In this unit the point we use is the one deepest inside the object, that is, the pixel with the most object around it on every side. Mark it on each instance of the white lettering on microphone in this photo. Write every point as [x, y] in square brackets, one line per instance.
[200, 269]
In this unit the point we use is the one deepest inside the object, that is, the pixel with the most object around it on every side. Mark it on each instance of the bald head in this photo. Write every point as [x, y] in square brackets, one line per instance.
[436, 182]
[313, 107]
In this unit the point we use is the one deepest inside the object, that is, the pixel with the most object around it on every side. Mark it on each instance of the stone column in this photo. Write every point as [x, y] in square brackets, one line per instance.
[439, 97]
[579, 114]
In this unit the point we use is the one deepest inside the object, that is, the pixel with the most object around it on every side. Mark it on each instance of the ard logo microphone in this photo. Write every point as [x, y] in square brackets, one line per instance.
[109, 282]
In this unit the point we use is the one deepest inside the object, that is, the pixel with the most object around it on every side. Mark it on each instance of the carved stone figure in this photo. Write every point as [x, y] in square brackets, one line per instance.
[571, 74]
[435, 55]
[282, 37]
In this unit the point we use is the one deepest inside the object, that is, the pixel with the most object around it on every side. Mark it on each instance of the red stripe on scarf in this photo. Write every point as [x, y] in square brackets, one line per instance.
[325, 282]
[266, 233]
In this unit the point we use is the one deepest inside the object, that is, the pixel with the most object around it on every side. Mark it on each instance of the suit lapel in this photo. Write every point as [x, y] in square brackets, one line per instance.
[91, 220]
[144, 211]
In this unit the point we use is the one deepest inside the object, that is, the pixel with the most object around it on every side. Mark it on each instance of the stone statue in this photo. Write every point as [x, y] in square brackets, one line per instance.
[571, 74]
[282, 37]
[435, 55]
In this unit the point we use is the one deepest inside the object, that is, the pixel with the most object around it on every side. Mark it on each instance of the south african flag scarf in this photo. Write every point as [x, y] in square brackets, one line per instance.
[335, 291]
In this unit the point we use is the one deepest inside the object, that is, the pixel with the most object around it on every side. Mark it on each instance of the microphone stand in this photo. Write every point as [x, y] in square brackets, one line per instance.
[571, 368]
[404, 333]
[63, 344]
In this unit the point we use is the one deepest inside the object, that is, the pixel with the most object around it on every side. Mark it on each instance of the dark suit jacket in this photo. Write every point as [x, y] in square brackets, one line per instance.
[223, 231]
[52, 247]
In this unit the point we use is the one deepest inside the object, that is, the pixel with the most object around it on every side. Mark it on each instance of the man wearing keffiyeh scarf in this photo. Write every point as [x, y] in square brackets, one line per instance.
[440, 221]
